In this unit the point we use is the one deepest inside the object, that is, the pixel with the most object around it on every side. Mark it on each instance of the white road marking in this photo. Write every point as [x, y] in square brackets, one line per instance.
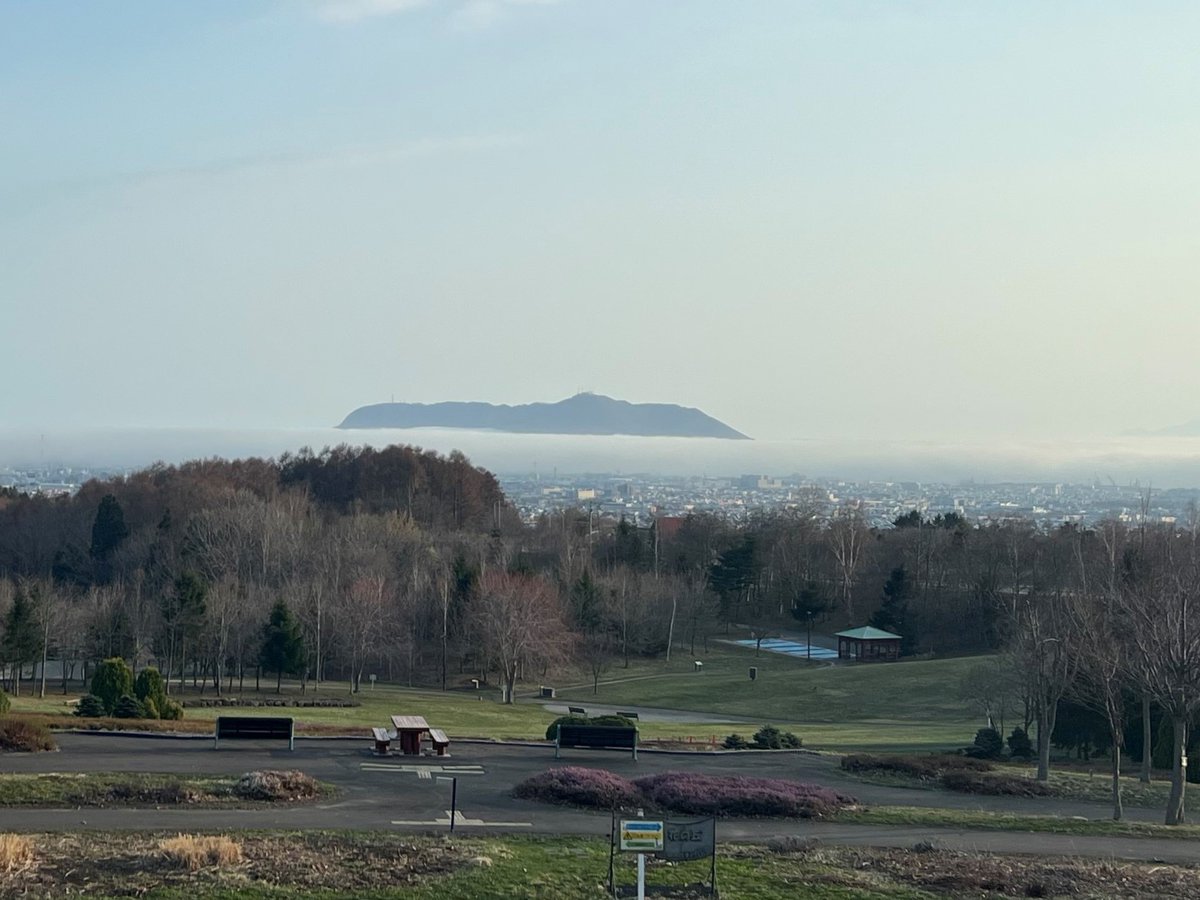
[424, 773]
[461, 821]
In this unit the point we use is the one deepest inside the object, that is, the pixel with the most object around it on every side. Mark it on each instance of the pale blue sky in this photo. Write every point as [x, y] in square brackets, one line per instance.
[808, 219]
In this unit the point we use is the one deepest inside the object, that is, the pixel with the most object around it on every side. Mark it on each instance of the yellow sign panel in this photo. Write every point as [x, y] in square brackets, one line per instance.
[641, 835]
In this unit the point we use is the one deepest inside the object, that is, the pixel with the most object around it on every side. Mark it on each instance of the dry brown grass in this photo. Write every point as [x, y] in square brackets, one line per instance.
[194, 852]
[16, 852]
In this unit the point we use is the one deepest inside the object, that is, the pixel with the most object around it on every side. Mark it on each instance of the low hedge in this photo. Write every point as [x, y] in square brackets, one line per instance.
[683, 792]
[578, 786]
[994, 785]
[739, 795]
[924, 768]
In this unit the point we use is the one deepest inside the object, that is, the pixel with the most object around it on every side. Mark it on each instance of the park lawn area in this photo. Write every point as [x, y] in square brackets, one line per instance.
[460, 714]
[54, 789]
[389, 866]
[881, 706]
[934, 817]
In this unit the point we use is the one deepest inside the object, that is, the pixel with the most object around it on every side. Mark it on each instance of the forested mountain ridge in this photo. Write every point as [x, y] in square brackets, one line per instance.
[581, 414]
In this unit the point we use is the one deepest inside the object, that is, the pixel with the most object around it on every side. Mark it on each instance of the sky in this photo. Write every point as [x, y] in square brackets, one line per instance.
[810, 219]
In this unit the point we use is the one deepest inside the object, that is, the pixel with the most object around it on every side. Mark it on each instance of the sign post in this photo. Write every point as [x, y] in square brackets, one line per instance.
[453, 798]
[642, 835]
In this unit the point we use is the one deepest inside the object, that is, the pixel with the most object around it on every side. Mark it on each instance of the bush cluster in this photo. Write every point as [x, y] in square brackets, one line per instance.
[925, 768]
[739, 795]
[611, 721]
[274, 785]
[766, 738]
[994, 784]
[22, 736]
[955, 773]
[683, 792]
[116, 693]
[577, 786]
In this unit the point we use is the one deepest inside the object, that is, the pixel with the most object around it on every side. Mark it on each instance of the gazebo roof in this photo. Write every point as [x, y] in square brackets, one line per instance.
[867, 633]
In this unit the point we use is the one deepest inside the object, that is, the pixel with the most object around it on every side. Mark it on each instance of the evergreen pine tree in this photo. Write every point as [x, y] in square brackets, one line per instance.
[283, 646]
[892, 614]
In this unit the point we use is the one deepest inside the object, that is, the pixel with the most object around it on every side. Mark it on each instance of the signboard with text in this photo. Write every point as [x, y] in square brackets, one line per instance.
[641, 835]
[690, 839]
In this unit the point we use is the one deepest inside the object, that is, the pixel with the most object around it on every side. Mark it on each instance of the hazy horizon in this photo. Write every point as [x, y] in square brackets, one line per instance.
[1156, 462]
[827, 220]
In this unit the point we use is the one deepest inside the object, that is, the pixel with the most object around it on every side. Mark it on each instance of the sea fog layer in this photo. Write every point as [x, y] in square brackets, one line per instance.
[1161, 462]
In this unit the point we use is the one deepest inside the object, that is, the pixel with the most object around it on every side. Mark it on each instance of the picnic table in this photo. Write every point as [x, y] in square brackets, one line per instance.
[409, 730]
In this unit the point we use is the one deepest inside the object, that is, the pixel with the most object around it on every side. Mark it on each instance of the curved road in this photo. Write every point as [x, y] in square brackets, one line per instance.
[404, 793]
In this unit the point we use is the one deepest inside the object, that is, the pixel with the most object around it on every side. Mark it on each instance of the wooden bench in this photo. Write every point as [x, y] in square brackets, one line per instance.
[596, 737]
[441, 743]
[629, 715]
[255, 728]
[383, 741]
[577, 710]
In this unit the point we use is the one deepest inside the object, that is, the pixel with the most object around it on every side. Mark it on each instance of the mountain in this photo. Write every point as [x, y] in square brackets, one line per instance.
[581, 414]
[1187, 429]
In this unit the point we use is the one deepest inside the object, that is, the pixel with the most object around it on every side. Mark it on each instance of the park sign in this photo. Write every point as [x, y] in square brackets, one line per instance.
[690, 839]
[642, 835]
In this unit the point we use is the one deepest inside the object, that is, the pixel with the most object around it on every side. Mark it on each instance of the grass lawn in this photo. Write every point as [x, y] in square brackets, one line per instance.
[377, 865]
[459, 713]
[957, 818]
[899, 707]
[117, 789]
[882, 706]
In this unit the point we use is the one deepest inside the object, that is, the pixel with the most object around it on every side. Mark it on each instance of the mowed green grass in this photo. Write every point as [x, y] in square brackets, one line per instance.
[459, 714]
[880, 706]
[902, 706]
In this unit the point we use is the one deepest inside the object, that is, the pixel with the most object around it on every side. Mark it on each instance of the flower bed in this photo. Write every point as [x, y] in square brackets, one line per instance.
[578, 786]
[739, 795]
[683, 792]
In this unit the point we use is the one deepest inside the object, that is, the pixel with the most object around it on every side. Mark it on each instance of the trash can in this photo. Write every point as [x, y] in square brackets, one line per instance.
[753, 673]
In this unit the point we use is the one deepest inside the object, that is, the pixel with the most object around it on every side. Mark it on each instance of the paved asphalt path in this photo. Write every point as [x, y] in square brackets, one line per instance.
[404, 793]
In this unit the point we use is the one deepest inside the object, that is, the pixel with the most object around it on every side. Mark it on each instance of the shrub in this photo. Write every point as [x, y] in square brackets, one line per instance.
[736, 742]
[552, 728]
[149, 686]
[989, 744]
[737, 795]
[924, 768]
[90, 706]
[149, 710]
[23, 736]
[1019, 745]
[170, 710]
[112, 681]
[274, 785]
[993, 785]
[196, 851]
[5, 703]
[16, 852]
[771, 738]
[128, 708]
[577, 786]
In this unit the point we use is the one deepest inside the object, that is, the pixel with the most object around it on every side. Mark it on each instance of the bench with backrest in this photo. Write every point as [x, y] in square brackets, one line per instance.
[629, 715]
[383, 741]
[441, 743]
[576, 711]
[256, 728]
[596, 737]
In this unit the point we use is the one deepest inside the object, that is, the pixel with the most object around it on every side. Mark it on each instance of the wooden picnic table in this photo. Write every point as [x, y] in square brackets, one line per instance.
[409, 730]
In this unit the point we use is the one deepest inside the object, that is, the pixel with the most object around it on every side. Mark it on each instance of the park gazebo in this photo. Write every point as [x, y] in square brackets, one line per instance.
[868, 644]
